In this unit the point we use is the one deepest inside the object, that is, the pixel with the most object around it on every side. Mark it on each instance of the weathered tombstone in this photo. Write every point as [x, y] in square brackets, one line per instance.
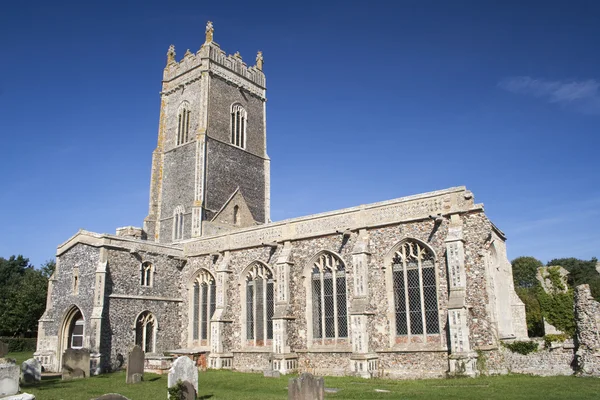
[9, 377]
[76, 364]
[135, 365]
[112, 396]
[189, 392]
[31, 371]
[271, 373]
[183, 369]
[306, 387]
[3, 349]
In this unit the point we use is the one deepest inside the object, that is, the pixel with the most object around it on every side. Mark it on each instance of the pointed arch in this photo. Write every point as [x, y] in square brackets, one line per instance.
[72, 331]
[178, 222]
[202, 292]
[327, 299]
[183, 123]
[258, 303]
[412, 286]
[146, 326]
[239, 121]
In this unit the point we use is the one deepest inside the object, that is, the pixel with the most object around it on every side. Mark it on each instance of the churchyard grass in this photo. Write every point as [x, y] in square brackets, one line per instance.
[20, 356]
[216, 385]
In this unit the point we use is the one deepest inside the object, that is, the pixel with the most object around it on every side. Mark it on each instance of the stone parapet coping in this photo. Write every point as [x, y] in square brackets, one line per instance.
[404, 209]
[118, 242]
[137, 297]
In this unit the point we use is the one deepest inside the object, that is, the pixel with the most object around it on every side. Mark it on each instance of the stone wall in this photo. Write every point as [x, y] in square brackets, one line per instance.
[587, 317]
[556, 360]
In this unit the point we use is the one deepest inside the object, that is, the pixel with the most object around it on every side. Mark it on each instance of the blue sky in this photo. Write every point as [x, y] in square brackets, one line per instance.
[366, 102]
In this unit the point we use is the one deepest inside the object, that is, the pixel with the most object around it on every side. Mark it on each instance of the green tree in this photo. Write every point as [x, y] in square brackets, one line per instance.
[580, 272]
[48, 268]
[22, 295]
[524, 271]
[533, 310]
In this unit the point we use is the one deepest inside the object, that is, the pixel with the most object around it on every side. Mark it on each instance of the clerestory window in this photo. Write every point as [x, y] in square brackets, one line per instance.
[260, 304]
[183, 124]
[329, 299]
[415, 290]
[146, 274]
[239, 120]
[204, 305]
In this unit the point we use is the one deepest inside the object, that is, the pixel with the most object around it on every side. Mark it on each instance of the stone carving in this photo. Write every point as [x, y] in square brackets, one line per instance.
[76, 364]
[3, 349]
[9, 377]
[209, 32]
[306, 387]
[135, 365]
[31, 371]
[171, 55]
[183, 369]
[259, 60]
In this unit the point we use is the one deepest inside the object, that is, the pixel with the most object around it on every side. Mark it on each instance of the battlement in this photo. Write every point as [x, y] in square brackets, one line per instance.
[211, 57]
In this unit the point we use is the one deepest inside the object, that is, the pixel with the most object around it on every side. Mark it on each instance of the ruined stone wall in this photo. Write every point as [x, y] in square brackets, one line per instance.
[587, 317]
[557, 360]
[413, 365]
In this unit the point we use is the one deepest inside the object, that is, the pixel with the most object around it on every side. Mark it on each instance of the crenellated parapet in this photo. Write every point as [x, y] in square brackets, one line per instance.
[212, 58]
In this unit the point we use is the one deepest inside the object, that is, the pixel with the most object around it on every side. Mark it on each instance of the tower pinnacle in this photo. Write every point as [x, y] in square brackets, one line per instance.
[259, 60]
[209, 32]
[171, 55]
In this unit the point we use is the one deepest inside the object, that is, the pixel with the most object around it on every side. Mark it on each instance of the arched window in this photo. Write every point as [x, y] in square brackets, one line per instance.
[76, 331]
[415, 290]
[145, 331]
[178, 223]
[146, 274]
[259, 304]
[236, 211]
[329, 298]
[183, 124]
[239, 120]
[203, 305]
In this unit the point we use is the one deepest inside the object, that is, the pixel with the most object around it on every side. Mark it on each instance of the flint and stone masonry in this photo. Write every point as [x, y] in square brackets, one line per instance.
[405, 288]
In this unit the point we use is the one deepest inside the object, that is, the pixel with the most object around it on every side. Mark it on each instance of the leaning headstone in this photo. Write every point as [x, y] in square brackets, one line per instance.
[76, 364]
[3, 349]
[111, 396]
[9, 377]
[183, 369]
[306, 387]
[135, 365]
[31, 371]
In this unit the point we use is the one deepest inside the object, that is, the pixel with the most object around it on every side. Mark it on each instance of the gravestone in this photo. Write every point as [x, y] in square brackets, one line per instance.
[135, 365]
[9, 377]
[189, 392]
[3, 349]
[183, 369]
[306, 387]
[31, 371]
[112, 396]
[271, 373]
[76, 364]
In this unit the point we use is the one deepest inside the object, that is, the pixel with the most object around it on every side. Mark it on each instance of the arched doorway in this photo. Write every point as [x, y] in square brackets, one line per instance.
[72, 332]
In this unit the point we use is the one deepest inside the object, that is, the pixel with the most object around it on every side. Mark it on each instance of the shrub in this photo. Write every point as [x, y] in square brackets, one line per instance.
[548, 339]
[19, 344]
[522, 347]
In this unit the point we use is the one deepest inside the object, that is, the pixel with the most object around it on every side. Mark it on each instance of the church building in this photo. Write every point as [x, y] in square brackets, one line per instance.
[407, 288]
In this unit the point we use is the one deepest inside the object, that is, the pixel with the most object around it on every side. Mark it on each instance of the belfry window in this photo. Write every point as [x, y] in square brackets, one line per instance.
[183, 124]
[239, 120]
[329, 309]
[204, 305]
[259, 304]
[145, 331]
[415, 290]
[146, 274]
[178, 220]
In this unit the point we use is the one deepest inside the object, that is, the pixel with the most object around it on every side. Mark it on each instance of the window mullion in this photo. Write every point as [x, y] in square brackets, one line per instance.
[264, 309]
[323, 331]
[255, 313]
[335, 309]
[419, 258]
[406, 297]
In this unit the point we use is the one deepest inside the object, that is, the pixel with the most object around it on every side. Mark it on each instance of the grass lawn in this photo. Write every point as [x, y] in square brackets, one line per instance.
[231, 385]
[20, 356]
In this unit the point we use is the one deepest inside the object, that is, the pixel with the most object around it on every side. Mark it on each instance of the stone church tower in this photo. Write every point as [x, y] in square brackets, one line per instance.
[210, 169]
